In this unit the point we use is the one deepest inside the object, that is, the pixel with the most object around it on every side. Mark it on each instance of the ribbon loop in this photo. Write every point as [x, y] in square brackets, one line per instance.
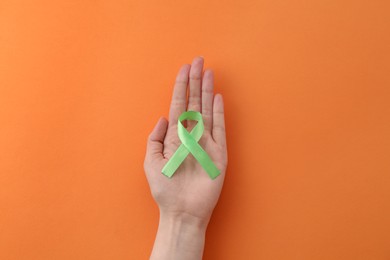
[190, 145]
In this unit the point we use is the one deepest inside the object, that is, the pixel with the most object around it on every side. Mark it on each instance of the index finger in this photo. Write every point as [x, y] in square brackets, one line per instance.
[179, 96]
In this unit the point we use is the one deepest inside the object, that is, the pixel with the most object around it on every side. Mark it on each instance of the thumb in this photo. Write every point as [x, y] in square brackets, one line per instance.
[155, 143]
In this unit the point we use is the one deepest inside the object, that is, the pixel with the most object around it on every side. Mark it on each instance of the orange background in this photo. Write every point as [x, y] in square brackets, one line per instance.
[306, 86]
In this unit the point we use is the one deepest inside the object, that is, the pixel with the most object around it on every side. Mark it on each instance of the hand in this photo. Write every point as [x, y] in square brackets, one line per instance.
[190, 192]
[187, 200]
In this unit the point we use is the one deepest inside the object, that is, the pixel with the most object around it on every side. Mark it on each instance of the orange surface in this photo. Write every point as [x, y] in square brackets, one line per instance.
[306, 87]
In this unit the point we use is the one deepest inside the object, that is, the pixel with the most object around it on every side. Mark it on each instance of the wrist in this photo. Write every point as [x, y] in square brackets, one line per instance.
[179, 236]
[184, 220]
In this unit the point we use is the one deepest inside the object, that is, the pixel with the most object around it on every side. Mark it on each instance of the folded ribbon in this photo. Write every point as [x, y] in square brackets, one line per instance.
[190, 145]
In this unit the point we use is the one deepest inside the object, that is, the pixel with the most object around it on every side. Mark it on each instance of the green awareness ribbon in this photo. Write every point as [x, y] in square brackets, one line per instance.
[190, 145]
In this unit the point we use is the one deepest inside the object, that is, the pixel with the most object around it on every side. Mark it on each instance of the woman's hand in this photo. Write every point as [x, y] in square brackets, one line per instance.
[190, 196]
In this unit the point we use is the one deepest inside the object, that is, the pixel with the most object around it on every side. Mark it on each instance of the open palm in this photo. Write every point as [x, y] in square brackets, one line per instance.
[190, 191]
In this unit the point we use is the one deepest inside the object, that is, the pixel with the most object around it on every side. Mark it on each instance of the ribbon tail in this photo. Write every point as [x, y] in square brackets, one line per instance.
[203, 158]
[175, 161]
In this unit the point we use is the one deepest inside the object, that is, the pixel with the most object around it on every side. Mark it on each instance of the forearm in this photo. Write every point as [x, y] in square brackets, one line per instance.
[179, 237]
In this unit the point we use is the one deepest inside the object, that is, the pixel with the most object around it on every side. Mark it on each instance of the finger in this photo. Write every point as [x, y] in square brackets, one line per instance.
[194, 97]
[179, 96]
[207, 99]
[219, 133]
[155, 143]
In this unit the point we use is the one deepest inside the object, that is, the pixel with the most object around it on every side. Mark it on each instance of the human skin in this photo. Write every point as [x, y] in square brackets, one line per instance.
[187, 200]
